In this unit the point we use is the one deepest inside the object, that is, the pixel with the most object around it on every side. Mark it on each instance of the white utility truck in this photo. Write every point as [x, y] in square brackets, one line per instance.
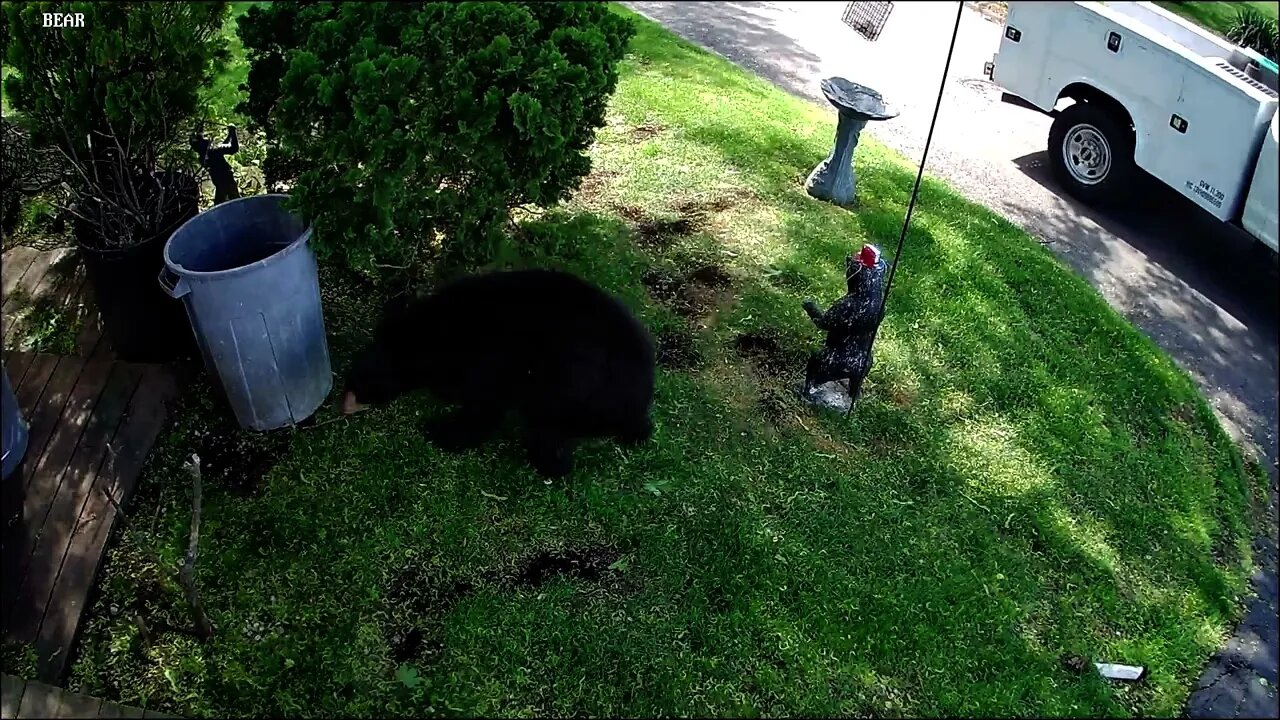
[1152, 91]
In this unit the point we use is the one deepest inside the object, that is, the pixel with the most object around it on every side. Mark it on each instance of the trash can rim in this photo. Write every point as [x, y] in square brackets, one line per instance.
[300, 241]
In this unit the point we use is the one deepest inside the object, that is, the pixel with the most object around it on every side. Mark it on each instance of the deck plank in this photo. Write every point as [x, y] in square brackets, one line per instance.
[79, 304]
[31, 699]
[116, 710]
[137, 433]
[68, 417]
[62, 291]
[91, 326]
[75, 705]
[33, 276]
[37, 596]
[39, 701]
[42, 481]
[16, 262]
[15, 367]
[32, 383]
[43, 406]
[29, 284]
[127, 711]
[10, 695]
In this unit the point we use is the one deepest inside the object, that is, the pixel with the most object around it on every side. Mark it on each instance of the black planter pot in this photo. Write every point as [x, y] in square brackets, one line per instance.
[142, 323]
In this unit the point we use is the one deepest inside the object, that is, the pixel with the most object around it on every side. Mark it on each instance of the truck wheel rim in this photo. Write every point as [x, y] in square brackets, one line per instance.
[1086, 154]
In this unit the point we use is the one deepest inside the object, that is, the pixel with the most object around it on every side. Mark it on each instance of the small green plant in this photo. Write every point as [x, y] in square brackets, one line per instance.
[413, 129]
[47, 323]
[39, 213]
[408, 676]
[51, 328]
[18, 659]
[1254, 30]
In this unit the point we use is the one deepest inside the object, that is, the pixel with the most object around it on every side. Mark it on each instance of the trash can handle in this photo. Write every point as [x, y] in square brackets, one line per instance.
[175, 287]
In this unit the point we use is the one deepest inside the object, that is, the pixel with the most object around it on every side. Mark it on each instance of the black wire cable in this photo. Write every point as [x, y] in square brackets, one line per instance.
[897, 255]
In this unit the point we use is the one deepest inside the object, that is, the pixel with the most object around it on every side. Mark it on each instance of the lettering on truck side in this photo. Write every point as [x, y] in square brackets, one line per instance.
[1211, 194]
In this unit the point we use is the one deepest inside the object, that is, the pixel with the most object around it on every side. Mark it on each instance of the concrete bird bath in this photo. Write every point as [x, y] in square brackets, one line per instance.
[833, 179]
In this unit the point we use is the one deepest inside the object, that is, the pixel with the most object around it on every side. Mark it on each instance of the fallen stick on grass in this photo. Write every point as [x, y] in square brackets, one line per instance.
[187, 573]
[111, 473]
[144, 634]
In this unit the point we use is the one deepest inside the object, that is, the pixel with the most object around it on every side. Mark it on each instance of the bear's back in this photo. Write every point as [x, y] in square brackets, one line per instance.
[545, 306]
[512, 329]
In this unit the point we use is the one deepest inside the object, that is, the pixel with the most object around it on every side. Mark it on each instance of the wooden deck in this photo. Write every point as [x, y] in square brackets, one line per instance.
[22, 699]
[92, 422]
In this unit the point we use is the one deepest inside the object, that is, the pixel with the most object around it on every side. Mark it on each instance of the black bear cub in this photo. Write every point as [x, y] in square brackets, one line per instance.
[568, 358]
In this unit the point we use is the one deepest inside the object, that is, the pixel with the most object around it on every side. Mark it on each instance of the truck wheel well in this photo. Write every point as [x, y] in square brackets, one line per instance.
[1081, 92]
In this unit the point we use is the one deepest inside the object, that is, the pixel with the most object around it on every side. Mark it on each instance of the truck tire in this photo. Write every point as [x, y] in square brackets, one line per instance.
[1091, 152]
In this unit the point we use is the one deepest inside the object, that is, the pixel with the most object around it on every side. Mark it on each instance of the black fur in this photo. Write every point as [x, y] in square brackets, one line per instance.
[570, 359]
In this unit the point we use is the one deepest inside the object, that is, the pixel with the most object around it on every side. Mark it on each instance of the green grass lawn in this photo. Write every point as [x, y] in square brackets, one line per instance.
[1027, 478]
[1217, 16]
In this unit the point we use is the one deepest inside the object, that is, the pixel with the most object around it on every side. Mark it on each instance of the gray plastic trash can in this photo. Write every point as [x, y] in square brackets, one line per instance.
[15, 429]
[249, 283]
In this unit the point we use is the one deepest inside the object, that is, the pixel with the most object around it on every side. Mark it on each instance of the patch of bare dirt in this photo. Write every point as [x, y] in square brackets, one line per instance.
[595, 182]
[712, 276]
[230, 456]
[645, 131]
[697, 295]
[630, 213]
[903, 397]
[772, 406]
[426, 599]
[429, 599]
[590, 564]
[719, 203]
[661, 233]
[677, 350]
[691, 217]
[768, 354]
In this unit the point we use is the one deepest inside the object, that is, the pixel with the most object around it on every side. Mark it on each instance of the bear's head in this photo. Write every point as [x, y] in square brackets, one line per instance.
[374, 378]
[370, 382]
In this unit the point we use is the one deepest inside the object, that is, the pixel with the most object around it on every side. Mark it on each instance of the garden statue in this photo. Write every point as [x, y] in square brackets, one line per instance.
[833, 179]
[851, 325]
[213, 158]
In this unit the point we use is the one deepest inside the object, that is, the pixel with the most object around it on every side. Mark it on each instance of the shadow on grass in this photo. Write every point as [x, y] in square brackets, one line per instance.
[1141, 487]
[1087, 507]
[1207, 289]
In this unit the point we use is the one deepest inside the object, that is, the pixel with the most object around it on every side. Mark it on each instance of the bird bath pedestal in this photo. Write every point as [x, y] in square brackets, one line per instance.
[833, 179]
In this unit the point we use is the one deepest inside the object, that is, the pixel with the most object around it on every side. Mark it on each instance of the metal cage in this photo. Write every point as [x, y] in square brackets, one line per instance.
[867, 18]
